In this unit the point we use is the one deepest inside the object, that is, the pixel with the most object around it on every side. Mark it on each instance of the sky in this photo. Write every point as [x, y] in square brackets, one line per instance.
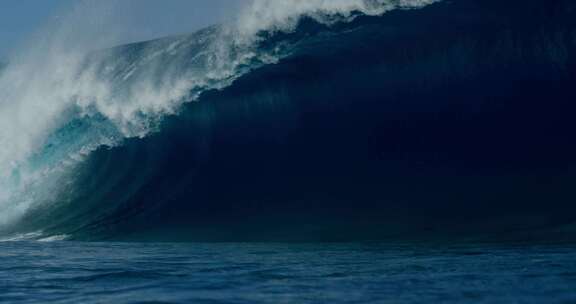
[143, 19]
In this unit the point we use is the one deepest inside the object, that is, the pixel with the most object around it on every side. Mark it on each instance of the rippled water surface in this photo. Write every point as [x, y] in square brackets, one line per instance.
[66, 272]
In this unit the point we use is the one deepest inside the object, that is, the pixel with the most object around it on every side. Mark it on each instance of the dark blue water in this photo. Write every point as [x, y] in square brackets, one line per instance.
[69, 272]
[451, 121]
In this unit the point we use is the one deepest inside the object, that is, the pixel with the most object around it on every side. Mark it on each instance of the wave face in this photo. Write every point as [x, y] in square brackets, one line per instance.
[335, 120]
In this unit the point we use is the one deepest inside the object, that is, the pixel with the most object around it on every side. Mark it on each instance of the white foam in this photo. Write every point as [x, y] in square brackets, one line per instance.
[30, 236]
[34, 236]
[273, 15]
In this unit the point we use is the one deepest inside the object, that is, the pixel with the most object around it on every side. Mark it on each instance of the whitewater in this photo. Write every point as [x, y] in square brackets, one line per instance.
[66, 95]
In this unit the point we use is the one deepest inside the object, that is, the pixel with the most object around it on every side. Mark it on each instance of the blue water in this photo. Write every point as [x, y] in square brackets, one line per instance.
[69, 272]
[450, 121]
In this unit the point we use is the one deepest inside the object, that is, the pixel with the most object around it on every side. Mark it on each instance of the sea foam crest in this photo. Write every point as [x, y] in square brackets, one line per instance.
[60, 100]
[272, 15]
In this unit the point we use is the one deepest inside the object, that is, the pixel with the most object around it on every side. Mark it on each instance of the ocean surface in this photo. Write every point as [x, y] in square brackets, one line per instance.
[72, 272]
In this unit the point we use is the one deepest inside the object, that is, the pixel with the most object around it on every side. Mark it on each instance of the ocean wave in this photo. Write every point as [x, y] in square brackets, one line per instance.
[59, 102]
[109, 143]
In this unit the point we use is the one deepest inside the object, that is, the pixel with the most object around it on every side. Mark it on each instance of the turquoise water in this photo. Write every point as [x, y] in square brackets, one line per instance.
[68, 272]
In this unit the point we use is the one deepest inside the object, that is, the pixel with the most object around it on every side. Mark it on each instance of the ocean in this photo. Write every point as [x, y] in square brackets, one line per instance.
[78, 272]
[294, 154]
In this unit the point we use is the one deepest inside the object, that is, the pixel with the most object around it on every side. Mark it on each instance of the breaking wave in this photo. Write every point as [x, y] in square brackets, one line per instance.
[133, 141]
